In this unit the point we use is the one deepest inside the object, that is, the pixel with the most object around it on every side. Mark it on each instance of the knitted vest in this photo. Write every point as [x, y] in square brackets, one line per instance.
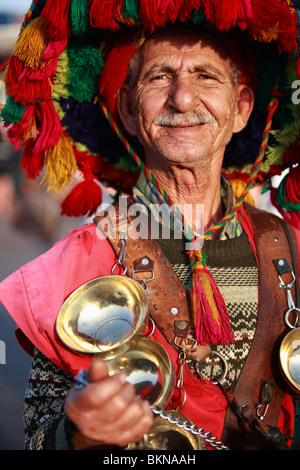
[234, 268]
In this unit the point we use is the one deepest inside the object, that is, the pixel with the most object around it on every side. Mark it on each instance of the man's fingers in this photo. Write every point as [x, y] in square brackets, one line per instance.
[97, 393]
[107, 409]
[98, 370]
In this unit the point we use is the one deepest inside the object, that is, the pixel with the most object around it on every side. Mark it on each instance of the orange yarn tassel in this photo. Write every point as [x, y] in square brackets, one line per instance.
[60, 164]
[32, 43]
[211, 319]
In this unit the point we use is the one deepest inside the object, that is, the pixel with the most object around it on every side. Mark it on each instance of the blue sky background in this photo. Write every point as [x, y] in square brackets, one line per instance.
[14, 7]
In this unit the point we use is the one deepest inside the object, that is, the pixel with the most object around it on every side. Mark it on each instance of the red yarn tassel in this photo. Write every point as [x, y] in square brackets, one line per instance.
[168, 9]
[103, 13]
[187, 7]
[271, 16]
[54, 49]
[156, 13]
[50, 130]
[292, 186]
[24, 89]
[18, 130]
[227, 14]
[223, 14]
[293, 217]
[83, 199]
[13, 71]
[57, 15]
[211, 319]
[86, 196]
[31, 163]
[245, 14]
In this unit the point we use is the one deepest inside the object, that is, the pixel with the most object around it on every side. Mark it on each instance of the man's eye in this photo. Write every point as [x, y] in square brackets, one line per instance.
[206, 76]
[158, 77]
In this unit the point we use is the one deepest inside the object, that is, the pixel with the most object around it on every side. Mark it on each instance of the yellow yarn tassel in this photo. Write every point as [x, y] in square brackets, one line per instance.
[32, 43]
[238, 187]
[61, 164]
[60, 82]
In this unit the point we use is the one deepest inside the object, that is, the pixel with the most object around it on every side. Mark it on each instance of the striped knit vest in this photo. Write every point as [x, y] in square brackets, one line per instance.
[234, 268]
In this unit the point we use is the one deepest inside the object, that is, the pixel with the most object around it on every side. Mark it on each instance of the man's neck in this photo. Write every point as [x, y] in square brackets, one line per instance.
[191, 187]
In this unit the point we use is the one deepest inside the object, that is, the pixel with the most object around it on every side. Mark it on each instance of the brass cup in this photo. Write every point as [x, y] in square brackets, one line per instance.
[104, 316]
[289, 355]
[149, 369]
[165, 435]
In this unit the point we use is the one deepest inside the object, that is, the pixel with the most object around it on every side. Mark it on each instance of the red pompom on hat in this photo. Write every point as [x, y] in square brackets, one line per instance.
[115, 68]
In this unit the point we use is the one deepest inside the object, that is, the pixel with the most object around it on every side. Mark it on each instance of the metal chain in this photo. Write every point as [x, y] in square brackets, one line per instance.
[213, 441]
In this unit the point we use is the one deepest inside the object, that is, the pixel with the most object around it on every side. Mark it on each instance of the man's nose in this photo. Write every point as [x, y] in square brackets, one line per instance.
[183, 96]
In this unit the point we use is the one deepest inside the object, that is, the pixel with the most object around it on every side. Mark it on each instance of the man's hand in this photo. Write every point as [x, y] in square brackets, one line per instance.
[107, 411]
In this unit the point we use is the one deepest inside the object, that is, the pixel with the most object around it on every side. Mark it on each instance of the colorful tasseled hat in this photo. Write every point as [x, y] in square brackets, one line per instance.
[71, 58]
[62, 81]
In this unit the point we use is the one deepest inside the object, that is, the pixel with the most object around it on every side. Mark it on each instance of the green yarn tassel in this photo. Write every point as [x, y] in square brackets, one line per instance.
[12, 111]
[85, 67]
[131, 10]
[198, 17]
[124, 165]
[280, 198]
[79, 16]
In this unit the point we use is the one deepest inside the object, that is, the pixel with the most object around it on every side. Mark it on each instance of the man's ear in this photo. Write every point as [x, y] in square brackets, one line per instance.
[245, 104]
[125, 109]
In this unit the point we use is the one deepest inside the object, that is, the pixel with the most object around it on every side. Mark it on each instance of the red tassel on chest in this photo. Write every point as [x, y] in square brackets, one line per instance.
[211, 319]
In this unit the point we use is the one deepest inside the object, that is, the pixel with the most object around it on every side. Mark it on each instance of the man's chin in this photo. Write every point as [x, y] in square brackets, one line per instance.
[181, 154]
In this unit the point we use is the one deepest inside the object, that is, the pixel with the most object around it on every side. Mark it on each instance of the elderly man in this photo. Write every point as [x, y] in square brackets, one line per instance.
[184, 106]
[184, 98]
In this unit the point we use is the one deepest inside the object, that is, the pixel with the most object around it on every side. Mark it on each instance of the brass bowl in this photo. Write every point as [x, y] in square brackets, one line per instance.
[103, 316]
[290, 358]
[149, 369]
[165, 435]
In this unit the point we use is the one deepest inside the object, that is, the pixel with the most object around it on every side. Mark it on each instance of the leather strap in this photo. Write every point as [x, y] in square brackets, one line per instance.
[263, 359]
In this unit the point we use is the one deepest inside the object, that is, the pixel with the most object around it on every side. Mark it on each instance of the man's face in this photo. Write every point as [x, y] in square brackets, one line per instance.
[184, 101]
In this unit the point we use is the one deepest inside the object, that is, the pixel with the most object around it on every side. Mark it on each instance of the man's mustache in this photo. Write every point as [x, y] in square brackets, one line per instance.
[176, 119]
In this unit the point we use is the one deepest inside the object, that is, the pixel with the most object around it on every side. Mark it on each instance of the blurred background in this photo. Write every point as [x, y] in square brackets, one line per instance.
[30, 223]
